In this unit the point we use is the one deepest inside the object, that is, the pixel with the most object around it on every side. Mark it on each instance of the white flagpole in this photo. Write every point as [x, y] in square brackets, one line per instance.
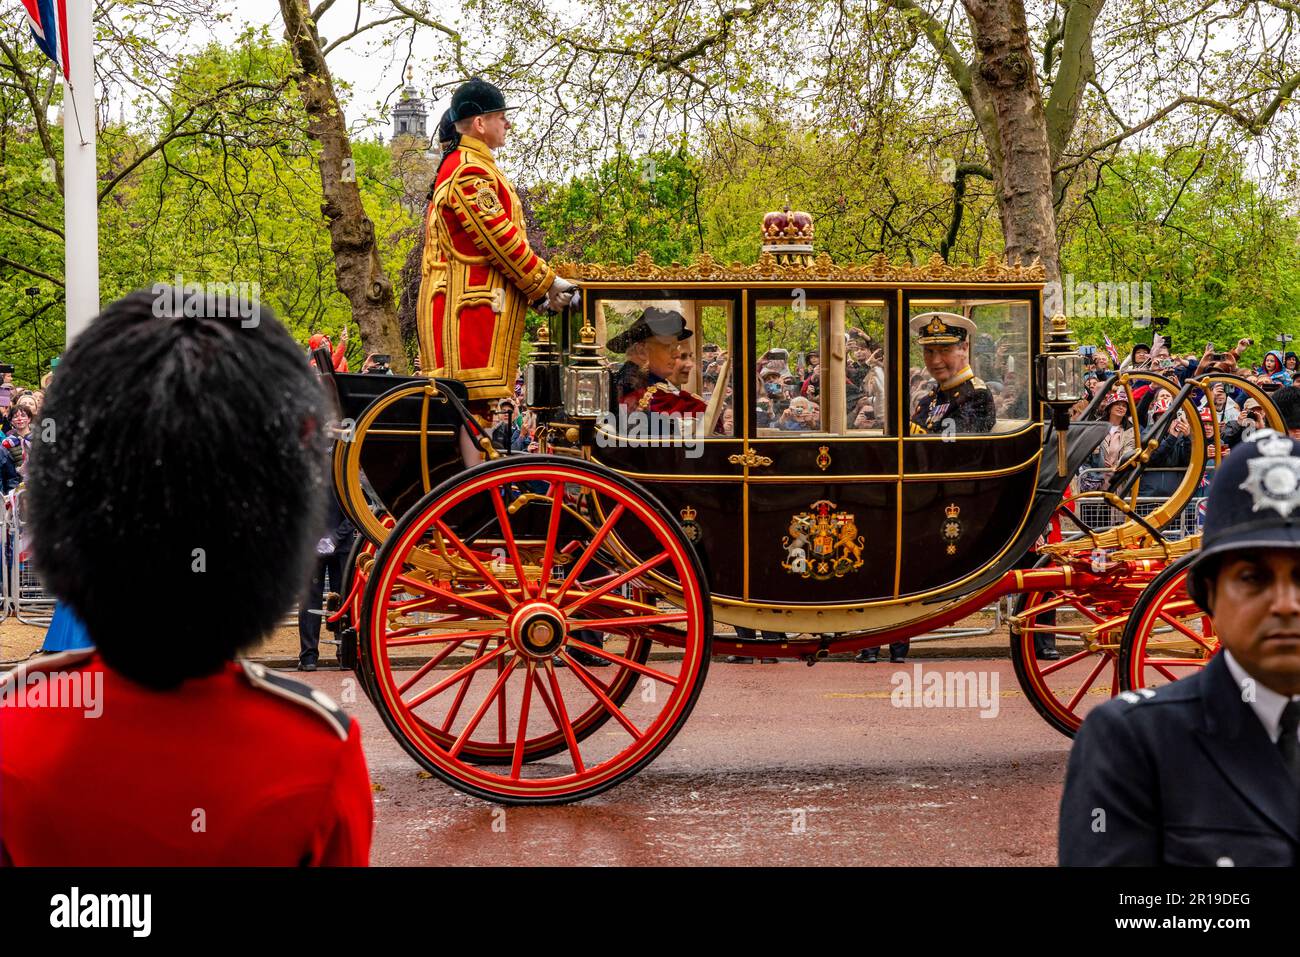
[80, 181]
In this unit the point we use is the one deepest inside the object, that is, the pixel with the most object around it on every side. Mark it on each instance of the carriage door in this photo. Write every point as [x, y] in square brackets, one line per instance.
[969, 481]
[821, 458]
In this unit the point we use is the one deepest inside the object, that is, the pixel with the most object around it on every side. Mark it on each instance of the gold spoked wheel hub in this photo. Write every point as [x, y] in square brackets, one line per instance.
[536, 630]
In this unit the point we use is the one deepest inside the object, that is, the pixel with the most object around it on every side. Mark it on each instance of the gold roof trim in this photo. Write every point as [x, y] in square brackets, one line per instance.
[704, 268]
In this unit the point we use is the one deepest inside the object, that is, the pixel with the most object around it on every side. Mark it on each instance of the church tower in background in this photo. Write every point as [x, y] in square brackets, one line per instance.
[410, 118]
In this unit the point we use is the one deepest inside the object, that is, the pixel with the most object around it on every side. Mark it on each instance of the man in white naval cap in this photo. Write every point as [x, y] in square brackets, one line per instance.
[959, 397]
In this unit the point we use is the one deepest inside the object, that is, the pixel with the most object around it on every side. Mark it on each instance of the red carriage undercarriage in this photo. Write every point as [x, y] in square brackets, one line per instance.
[478, 599]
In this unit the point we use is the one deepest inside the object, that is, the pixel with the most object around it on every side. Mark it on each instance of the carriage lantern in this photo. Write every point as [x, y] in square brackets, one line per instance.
[1060, 381]
[586, 380]
[542, 377]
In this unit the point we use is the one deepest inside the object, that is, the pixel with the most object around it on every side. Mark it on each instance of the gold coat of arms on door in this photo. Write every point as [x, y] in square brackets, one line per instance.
[822, 543]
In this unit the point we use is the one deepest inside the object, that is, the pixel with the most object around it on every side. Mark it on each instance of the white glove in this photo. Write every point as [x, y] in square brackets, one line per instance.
[560, 294]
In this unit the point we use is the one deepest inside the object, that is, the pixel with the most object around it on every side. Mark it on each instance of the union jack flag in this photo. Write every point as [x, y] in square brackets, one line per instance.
[1110, 347]
[49, 22]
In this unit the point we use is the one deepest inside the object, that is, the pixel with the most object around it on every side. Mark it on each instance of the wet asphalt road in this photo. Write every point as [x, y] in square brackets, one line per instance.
[779, 764]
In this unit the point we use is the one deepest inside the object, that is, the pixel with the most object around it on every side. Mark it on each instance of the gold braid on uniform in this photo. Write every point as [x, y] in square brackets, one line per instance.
[644, 403]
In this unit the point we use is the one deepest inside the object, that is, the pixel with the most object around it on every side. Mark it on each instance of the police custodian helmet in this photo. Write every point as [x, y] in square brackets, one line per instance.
[476, 97]
[1254, 502]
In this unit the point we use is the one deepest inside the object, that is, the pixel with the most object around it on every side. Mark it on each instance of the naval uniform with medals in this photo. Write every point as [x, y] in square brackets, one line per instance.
[964, 399]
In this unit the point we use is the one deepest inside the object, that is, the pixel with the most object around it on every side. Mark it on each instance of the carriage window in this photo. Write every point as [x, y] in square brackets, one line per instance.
[866, 406]
[969, 364]
[820, 366]
[786, 376]
[669, 357]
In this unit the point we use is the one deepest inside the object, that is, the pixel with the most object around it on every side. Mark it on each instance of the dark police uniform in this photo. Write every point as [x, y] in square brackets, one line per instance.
[243, 767]
[1184, 775]
[1199, 772]
[965, 400]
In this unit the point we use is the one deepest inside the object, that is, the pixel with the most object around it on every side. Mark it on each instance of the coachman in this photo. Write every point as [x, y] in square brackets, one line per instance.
[479, 274]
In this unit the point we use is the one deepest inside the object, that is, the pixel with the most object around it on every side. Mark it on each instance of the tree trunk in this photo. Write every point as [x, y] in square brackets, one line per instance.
[1004, 77]
[358, 271]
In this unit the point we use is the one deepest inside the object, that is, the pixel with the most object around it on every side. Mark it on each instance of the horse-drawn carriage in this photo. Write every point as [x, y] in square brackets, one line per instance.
[536, 628]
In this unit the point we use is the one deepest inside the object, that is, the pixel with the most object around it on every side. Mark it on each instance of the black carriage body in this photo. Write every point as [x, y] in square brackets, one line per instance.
[936, 515]
[410, 445]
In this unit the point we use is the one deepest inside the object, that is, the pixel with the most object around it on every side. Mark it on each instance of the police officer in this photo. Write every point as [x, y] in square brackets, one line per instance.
[479, 273]
[959, 397]
[1206, 770]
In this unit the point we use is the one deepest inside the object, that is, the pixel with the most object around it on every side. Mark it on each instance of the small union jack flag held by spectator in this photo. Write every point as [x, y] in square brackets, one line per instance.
[1110, 347]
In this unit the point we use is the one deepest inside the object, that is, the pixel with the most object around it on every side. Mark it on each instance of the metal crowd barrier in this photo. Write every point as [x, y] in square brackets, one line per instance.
[1100, 515]
[24, 594]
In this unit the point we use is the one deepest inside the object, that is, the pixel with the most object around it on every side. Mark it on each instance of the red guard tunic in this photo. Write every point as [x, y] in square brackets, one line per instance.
[478, 275]
[244, 767]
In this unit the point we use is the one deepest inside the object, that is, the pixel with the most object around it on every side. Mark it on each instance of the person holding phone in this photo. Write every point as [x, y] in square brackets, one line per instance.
[19, 440]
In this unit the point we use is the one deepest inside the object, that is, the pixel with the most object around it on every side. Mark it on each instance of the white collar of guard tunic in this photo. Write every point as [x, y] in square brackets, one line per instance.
[964, 375]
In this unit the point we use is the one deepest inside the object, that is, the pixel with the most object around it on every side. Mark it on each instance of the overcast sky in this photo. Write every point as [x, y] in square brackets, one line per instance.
[373, 70]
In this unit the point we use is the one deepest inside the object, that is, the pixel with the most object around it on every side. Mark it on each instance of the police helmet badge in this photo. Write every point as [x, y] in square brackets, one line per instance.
[1274, 476]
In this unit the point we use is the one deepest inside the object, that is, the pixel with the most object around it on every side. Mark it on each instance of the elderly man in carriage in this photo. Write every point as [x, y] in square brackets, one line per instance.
[960, 400]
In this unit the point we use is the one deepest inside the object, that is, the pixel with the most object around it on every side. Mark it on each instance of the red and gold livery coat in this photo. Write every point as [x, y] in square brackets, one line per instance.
[478, 275]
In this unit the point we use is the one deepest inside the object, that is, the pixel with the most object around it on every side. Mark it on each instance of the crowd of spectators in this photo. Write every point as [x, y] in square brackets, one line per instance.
[1225, 416]
[19, 415]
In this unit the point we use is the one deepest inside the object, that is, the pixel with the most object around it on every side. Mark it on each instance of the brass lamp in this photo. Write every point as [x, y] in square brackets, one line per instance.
[586, 380]
[542, 377]
[1059, 369]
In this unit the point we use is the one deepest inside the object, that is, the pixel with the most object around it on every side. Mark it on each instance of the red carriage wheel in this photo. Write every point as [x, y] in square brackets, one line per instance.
[1086, 674]
[1168, 636]
[471, 655]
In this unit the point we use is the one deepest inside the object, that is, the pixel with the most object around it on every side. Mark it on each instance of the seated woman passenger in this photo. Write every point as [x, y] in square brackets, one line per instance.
[657, 332]
[958, 397]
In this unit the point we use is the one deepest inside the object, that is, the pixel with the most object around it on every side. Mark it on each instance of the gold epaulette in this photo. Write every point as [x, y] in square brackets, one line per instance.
[977, 382]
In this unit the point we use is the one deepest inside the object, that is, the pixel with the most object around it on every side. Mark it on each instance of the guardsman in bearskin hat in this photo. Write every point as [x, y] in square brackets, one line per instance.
[960, 397]
[658, 331]
[1206, 770]
[479, 273]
